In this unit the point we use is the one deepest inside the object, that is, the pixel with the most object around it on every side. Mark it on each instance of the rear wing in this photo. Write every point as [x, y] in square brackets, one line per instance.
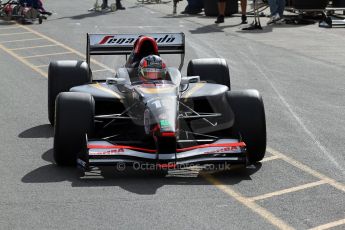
[122, 44]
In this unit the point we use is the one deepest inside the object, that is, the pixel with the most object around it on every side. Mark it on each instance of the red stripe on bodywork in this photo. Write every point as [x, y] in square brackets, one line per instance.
[239, 144]
[120, 147]
[105, 39]
[168, 134]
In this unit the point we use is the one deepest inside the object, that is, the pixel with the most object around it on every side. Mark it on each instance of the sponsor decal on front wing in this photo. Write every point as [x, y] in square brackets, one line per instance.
[108, 152]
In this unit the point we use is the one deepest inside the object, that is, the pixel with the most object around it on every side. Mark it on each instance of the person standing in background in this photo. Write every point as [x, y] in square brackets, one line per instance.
[105, 4]
[221, 11]
[244, 11]
[118, 5]
[277, 10]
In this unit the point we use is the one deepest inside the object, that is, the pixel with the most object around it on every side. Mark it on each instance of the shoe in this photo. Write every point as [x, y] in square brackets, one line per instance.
[273, 19]
[220, 19]
[195, 11]
[104, 7]
[120, 7]
[186, 10]
[280, 21]
[47, 13]
[244, 19]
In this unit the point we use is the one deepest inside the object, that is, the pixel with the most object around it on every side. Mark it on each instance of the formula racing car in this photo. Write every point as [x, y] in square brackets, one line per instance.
[166, 121]
[16, 10]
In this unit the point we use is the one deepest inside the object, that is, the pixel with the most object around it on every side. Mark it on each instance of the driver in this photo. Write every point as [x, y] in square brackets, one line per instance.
[152, 67]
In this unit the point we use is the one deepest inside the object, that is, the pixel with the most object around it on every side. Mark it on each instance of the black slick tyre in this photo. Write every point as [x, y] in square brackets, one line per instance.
[250, 122]
[74, 119]
[213, 70]
[63, 75]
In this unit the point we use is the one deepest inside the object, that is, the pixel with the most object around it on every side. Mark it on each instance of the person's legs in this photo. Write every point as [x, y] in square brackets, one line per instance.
[281, 7]
[119, 5]
[105, 4]
[273, 6]
[244, 11]
[41, 8]
[221, 11]
[275, 16]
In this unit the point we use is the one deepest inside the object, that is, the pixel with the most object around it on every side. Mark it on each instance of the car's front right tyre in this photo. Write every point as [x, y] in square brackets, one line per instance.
[74, 119]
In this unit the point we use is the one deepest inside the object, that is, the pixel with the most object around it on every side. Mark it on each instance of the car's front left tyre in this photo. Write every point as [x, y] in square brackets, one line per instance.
[250, 122]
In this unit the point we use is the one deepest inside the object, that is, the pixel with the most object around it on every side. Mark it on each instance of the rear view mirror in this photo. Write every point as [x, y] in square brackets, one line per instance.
[115, 81]
[190, 79]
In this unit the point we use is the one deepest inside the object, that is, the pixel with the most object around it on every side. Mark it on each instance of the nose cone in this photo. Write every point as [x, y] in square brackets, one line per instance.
[164, 114]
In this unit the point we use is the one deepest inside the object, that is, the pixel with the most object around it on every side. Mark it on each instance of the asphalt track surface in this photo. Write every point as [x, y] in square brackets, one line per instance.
[299, 185]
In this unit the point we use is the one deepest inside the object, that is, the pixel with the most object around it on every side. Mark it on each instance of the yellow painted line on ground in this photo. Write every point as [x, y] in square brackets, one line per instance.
[329, 225]
[15, 33]
[13, 54]
[66, 47]
[41, 66]
[268, 216]
[271, 158]
[22, 40]
[307, 169]
[289, 190]
[33, 47]
[44, 55]
[99, 70]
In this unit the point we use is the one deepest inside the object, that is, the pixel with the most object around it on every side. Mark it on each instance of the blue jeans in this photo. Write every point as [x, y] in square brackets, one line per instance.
[277, 7]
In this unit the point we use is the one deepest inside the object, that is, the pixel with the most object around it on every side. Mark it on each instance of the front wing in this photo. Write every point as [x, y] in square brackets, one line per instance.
[103, 153]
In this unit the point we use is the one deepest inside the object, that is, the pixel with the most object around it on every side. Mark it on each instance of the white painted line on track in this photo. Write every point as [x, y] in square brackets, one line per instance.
[298, 119]
[329, 225]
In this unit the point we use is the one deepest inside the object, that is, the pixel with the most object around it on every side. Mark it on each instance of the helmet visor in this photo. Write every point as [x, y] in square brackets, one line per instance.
[153, 74]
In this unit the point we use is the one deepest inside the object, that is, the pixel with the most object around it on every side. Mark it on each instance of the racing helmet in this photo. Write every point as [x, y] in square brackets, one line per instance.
[152, 67]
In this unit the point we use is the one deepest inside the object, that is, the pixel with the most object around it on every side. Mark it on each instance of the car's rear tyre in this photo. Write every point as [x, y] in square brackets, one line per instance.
[250, 121]
[74, 119]
[63, 75]
[213, 70]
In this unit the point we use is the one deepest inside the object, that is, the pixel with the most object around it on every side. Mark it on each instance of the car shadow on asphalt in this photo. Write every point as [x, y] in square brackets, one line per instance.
[135, 181]
[40, 131]
[82, 16]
